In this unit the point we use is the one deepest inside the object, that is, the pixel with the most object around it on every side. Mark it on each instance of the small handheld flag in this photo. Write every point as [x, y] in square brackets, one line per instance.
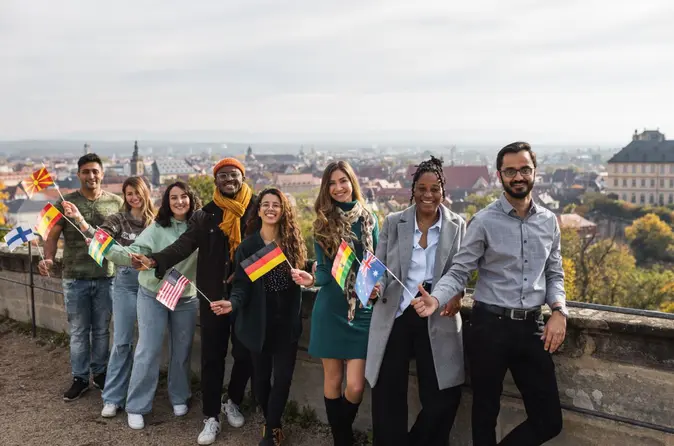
[263, 261]
[18, 236]
[48, 217]
[342, 263]
[172, 288]
[100, 245]
[370, 272]
[39, 180]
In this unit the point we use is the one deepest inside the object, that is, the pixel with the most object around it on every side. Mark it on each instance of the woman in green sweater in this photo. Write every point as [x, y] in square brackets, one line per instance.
[339, 324]
[178, 204]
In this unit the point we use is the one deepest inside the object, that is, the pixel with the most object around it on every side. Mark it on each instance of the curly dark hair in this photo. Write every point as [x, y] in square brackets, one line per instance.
[433, 165]
[292, 243]
[164, 215]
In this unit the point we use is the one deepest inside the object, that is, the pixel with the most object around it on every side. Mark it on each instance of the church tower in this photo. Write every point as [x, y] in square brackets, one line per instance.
[137, 165]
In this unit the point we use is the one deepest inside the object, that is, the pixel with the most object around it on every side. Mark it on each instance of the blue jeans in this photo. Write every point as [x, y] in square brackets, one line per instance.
[88, 305]
[124, 295]
[153, 318]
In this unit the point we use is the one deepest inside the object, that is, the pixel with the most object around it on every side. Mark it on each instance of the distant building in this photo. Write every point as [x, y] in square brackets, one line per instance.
[643, 171]
[582, 226]
[137, 164]
[164, 171]
[294, 183]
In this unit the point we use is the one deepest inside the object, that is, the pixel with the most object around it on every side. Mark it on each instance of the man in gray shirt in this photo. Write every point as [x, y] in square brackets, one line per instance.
[515, 246]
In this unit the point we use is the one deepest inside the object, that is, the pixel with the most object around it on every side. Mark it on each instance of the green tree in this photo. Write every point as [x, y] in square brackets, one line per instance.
[650, 238]
[481, 201]
[605, 272]
[204, 186]
[650, 289]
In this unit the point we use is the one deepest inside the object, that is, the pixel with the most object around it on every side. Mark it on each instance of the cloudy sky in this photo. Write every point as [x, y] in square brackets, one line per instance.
[586, 71]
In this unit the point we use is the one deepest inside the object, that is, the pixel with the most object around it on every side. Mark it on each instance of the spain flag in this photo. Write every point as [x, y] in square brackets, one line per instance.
[39, 180]
[263, 261]
[48, 217]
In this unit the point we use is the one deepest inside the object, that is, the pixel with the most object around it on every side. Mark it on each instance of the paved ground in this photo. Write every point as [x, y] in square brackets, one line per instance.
[34, 375]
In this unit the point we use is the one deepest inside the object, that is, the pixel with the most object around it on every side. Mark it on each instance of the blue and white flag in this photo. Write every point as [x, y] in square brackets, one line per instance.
[18, 236]
[370, 272]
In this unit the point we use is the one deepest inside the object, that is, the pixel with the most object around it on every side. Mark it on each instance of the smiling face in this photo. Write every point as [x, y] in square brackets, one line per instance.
[91, 176]
[179, 202]
[228, 180]
[133, 198]
[341, 189]
[428, 193]
[270, 210]
[516, 183]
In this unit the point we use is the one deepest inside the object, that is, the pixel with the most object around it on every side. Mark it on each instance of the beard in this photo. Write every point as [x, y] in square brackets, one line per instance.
[529, 185]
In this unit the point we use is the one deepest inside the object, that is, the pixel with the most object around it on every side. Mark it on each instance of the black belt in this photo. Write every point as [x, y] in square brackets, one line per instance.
[511, 313]
[427, 287]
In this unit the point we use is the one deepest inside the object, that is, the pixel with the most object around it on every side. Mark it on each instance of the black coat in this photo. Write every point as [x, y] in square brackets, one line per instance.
[249, 301]
[213, 262]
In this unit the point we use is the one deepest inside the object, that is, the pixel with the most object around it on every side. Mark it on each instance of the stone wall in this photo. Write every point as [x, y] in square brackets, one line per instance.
[611, 367]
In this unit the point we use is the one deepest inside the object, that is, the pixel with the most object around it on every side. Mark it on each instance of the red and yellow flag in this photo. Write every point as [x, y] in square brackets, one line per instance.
[263, 261]
[40, 179]
[48, 217]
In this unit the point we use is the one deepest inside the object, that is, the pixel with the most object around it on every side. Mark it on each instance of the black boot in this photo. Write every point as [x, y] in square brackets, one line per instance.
[334, 409]
[349, 411]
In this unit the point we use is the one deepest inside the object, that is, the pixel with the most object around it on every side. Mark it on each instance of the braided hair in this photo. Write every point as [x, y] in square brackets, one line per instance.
[433, 165]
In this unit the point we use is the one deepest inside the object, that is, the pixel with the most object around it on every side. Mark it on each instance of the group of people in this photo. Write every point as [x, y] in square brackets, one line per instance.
[413, 312]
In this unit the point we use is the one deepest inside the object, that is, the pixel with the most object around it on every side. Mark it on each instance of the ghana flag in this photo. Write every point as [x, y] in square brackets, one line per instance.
[100, 245]
[342, 264]
[263, 261]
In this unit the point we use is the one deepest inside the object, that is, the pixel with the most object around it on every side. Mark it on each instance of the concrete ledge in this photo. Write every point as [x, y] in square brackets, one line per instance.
[611, 364]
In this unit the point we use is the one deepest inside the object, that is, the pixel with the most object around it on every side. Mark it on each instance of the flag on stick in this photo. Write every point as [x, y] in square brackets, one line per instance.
[172, 288]
[18, 236]
[39, 180]
[263, 261]
[48, 217]
[342, 263]
[100, 245]
[370, 272]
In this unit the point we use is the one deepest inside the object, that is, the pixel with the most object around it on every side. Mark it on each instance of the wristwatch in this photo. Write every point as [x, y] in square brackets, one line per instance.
[562, 309]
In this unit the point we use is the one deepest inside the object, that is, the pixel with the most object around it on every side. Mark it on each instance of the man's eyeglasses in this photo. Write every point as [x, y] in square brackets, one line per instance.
[224, 176]
[512, 172]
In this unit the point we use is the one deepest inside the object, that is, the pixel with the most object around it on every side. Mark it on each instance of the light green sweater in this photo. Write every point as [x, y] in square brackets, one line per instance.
[153, 239]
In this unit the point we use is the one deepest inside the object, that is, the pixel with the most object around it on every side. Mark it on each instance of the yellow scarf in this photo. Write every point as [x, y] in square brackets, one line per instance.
[232, 211]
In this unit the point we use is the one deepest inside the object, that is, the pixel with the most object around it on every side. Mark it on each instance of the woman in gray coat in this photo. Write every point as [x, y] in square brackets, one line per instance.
[417, 245]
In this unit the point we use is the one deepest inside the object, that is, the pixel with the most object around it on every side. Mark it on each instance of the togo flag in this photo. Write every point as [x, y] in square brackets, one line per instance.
[100, 245]
[18, 236]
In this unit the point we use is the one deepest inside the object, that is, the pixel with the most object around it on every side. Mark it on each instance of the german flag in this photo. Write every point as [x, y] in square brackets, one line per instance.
[40, 179]
[263, 261]
[48, 217]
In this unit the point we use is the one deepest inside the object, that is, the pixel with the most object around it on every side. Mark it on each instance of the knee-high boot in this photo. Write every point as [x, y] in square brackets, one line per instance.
[334, 412]
[349, 411]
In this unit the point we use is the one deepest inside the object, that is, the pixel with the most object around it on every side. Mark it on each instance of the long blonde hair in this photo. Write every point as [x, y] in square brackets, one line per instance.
[147, 211]
[329, 229]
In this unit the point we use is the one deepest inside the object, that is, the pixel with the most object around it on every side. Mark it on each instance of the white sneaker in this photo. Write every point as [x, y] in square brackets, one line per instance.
[109, 410]
[234, 416]
[180, 410]
[135, 421]
[211, 430]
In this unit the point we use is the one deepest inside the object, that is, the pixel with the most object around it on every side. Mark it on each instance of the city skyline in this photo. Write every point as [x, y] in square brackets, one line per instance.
[383, 71]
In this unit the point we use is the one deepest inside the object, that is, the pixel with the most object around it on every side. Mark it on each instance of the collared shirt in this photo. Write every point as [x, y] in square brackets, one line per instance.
[423, 262]
[519, 261]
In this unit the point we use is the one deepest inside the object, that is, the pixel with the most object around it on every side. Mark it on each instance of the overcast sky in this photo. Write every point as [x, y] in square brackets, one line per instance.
[585, 71]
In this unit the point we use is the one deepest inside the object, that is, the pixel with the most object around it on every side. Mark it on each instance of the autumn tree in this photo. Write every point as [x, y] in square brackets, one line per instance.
[569, 278]
[204, 186]
[650, 289]
[650, 238]
[481, 201]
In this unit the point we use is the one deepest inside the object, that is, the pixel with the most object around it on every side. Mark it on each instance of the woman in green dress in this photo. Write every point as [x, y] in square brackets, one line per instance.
[339, 324]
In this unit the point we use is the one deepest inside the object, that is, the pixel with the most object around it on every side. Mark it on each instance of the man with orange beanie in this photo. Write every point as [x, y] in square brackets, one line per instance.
[216, 230]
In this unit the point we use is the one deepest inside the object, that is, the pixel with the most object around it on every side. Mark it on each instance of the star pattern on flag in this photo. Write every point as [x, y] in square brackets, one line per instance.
[370, 271]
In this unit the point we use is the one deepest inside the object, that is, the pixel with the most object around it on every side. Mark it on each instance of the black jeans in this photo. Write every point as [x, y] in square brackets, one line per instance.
[494, 345]
[409, 338]
[279, 358]
[215, 333]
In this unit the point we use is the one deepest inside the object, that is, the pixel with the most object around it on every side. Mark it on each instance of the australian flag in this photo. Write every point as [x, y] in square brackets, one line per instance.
[370, 272]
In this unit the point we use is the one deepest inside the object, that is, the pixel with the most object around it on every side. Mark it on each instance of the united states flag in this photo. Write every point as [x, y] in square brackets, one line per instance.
[172, 288]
